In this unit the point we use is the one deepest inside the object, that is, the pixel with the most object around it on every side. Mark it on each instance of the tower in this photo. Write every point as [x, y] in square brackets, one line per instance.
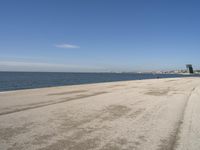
[189, 68]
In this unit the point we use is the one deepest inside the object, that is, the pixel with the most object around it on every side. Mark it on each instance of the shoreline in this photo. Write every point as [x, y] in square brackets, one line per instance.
[28, 80]
[80, 84]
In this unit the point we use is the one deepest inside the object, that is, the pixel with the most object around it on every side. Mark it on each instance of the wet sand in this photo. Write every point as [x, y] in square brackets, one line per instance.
[156, 114]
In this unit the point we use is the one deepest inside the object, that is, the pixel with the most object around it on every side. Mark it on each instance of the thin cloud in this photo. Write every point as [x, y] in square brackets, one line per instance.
[42, 66]
[67, 46]
[34, 64]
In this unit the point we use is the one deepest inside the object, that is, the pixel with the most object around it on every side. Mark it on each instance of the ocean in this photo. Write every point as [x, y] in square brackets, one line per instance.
[29, 80]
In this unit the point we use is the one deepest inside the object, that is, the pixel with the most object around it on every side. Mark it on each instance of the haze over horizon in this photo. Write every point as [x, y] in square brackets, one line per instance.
[99, 36]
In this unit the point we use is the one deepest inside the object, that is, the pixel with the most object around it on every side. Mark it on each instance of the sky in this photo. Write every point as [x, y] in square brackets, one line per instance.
[99, 35]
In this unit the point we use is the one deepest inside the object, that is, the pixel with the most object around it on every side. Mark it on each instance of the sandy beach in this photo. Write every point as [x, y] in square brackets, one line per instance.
[155, 114]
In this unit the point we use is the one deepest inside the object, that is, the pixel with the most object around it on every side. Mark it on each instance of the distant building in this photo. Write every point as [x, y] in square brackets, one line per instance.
[189, 68]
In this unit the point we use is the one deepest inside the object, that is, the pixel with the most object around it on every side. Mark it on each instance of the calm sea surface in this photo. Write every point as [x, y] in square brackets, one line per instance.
[28, 80]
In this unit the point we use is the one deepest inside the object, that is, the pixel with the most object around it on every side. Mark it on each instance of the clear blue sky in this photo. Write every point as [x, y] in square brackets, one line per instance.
[99, 35]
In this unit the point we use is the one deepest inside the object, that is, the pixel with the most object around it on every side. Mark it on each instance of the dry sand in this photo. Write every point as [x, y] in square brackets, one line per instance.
[159, 114]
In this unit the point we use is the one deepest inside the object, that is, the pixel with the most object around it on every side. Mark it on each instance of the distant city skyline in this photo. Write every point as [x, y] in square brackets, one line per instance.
[99, 36]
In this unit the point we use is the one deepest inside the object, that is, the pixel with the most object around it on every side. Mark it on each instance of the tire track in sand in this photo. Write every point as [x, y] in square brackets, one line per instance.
[174, 137]
[38, 105]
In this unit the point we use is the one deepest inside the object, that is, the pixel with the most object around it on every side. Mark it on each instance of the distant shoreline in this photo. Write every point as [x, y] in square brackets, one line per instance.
[95, 72]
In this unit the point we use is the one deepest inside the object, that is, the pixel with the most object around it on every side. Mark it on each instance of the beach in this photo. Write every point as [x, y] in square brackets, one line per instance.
[153, 114]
